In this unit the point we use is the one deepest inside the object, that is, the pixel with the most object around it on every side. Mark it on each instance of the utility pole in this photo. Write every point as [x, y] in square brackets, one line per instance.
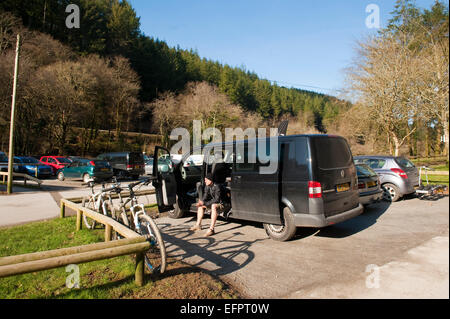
[13, 113]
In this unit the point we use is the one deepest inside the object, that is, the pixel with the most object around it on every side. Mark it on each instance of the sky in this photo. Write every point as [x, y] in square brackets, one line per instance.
[297, 43]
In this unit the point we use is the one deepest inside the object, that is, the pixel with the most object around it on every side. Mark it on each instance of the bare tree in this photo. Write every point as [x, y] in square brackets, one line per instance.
[385, 78]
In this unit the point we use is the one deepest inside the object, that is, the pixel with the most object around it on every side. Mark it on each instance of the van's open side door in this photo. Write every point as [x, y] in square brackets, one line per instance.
[164, 179]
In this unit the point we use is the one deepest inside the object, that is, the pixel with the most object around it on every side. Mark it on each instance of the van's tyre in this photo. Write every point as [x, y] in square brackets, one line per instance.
[61, 176]
[282, 232]
[391, 193]
[177, 211]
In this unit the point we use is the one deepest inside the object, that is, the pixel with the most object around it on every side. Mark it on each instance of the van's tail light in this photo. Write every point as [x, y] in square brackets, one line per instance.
[361, 185]
[129, 166]
[92, 163]
[400, 172]
[314, 189]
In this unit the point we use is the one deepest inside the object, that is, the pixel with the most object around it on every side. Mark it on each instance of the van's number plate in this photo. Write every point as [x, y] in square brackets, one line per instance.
[342, 187]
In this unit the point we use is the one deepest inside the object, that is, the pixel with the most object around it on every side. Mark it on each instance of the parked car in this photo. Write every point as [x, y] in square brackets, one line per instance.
[398, 175]
[148, 165]
[28, 165]
[314, 184]
[368, 185]
[125, 163]
[55, 162]
[4, 164]
[73, 158]
[86, 170]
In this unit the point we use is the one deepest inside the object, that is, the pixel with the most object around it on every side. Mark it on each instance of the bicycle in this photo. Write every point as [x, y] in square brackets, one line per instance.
[424, 191]
[143, 224]
[101, 202]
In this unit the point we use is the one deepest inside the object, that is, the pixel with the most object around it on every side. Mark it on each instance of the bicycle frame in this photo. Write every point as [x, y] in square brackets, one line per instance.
[136, 209]
[99, 200]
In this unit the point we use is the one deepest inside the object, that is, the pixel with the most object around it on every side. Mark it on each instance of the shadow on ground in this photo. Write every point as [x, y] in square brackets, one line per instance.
[359, 223]
[232, 251]
[223, 256]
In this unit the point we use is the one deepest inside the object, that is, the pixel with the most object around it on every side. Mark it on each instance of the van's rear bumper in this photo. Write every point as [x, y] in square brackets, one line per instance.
[310, 220]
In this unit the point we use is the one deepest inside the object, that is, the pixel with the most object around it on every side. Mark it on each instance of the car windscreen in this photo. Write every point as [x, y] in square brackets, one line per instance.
[332, 152]
[135, 158]
[403, 162]
[30, 160]
[101, 164]
[365, 171]
[64, 160]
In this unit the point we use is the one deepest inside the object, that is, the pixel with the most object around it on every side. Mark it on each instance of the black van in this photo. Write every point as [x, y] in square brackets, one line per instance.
[315, 184]
[125, 163]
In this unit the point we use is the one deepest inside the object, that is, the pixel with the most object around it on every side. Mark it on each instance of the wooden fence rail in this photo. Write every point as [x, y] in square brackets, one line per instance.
[133, 243]
[24, 176]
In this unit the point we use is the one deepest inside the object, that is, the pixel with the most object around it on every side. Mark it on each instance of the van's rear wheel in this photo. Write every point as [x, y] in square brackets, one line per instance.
[285, 231]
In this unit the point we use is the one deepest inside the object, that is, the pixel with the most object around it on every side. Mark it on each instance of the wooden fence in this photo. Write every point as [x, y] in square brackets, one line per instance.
[24, 176]
[133, 243]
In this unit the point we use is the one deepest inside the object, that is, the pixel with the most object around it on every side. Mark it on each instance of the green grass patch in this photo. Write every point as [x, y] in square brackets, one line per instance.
[441, 168]
[436, 179]
[109, 278]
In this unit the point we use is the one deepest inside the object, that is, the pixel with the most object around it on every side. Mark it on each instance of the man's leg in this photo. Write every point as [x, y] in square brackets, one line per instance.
[213, 219]
[213, 216]
[198, 225]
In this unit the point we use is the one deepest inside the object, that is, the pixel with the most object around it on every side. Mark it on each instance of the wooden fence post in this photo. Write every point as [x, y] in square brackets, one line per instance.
[108, 232]
[63, 209]
[79, 216]
[139, 271]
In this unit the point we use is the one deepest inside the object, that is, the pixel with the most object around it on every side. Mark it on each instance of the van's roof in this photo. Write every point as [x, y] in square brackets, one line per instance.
[212, 145]
[118, 153]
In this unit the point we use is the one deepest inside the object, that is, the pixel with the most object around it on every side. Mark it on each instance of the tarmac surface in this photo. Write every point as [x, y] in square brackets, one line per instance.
[398, 250]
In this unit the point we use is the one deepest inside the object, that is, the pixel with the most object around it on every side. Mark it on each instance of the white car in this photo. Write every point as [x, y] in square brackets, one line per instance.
[196, 160]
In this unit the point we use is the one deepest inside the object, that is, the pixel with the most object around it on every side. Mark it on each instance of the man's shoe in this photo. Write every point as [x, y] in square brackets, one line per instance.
[195, 228]
[210, 232]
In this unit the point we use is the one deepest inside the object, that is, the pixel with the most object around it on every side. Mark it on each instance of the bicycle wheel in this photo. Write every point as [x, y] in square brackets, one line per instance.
[90, 204]
[155, 257]
[119, 215]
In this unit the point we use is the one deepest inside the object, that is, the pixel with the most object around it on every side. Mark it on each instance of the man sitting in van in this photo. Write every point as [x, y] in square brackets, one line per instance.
[212, 198]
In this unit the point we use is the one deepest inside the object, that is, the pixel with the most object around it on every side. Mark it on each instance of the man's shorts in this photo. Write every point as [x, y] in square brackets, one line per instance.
[221, 208]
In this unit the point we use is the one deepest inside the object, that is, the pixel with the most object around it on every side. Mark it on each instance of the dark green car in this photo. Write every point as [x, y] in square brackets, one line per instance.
[86, 170]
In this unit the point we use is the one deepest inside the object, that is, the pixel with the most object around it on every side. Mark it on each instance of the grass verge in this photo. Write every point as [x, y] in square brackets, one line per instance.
[110, 278]
[437, 179]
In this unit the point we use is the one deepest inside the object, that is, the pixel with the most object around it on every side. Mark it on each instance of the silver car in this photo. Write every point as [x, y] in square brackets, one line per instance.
[398, 176]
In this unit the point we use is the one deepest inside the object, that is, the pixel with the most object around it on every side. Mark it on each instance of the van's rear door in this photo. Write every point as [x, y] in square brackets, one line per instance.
[164, 181]
[335, 171]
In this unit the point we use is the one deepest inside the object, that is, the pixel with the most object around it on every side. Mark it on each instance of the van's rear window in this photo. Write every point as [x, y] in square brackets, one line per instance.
[136, 158]
[332, 152]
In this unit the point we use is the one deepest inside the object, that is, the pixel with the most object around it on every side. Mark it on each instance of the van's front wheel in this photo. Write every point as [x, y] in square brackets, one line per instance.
[285, 231]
